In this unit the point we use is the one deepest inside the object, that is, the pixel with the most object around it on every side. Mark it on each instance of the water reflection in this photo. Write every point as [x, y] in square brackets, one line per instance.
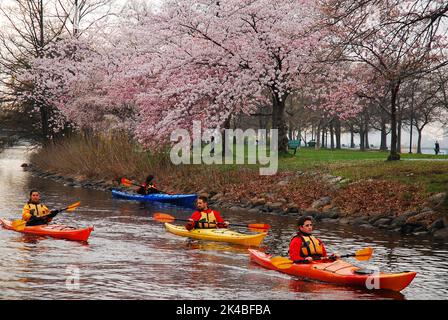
[131, 256]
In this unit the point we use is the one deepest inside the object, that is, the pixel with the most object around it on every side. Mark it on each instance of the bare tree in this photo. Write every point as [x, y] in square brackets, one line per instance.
[29, 27]
[79, 16]
[424, 99]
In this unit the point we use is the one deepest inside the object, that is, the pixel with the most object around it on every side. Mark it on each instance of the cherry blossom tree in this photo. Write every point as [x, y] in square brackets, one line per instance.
[200, 60]
[222, 58]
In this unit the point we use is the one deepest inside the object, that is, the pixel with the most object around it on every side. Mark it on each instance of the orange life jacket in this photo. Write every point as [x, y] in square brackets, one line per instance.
[311, 247]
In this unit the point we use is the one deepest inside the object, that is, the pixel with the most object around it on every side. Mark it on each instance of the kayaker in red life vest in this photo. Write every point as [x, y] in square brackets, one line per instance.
[306, 247]
[36, 213]
[148, 186]
[204, 217]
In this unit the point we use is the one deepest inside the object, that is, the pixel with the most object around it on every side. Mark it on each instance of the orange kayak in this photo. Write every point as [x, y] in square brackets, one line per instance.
[54, 230]
[339, 272]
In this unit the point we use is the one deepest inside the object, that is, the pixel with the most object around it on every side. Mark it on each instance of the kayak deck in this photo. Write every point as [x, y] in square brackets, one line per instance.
[57, 231]
[221, 234]
[339, 272]
[181, 199]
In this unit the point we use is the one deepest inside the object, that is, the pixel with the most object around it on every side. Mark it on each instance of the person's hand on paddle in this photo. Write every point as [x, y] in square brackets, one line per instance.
[334, 256]
[224, 224]
[190, 224]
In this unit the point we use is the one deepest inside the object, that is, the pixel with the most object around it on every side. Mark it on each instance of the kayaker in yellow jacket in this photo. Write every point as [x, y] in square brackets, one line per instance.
[35, 213]
[204, 217]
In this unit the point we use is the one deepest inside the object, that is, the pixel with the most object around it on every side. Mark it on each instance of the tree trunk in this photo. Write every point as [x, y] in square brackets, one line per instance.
[362, 136]
[225, 148]
[399, 125]
[366, 131]
[338, 134]
[317, 147]
[279, 122]
[393, 155]
[419, 141]
[331, 135]
[44, 110]
[383, 145]
[76, 20]
[324, 141]
[352, 138]
[412, 118]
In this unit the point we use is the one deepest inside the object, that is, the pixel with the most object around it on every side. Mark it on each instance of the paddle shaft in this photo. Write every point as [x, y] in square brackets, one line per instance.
[127, 181]
[176, 219]
[232, 224]
[325, 258]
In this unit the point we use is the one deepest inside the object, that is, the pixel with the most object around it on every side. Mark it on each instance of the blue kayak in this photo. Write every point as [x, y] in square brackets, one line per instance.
[179, 199]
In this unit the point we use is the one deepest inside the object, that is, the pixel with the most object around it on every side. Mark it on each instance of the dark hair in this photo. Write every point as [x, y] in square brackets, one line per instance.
[149, 178]
[203, 198]
[31, 192]
[303, 219]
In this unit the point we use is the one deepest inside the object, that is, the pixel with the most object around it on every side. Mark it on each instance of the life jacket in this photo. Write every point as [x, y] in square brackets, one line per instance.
[150, 188]
[33, 209]
[207, 218]
[311, 246]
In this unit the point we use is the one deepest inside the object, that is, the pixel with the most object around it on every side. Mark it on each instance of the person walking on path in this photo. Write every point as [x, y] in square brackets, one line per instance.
[437, 148]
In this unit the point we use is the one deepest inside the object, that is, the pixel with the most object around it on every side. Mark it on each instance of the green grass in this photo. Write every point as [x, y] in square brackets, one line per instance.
[357, 165]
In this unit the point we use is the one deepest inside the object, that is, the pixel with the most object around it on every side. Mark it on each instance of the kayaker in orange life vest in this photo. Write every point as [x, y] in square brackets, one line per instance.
[148, 186]
[36, 213]
[204, 217]
[305, 247]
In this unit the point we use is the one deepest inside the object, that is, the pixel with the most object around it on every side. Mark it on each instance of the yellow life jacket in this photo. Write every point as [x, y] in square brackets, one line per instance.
[311, 247]
[207, 220]
[32, 209]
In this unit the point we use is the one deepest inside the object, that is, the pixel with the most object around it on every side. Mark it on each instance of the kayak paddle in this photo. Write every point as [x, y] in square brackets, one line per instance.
[127, 183]
[20, 224]
[285, 263]
[164, 217]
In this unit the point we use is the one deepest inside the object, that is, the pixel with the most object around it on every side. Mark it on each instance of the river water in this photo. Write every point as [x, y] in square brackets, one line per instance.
[131, 256]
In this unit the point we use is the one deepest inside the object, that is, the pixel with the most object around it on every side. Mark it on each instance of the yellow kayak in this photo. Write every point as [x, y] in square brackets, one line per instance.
[222, 234]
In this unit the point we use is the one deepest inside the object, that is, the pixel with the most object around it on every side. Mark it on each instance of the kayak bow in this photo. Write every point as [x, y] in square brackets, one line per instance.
[54, 230]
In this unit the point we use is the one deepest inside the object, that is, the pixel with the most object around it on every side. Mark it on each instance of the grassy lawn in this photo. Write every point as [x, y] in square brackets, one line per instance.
[356, 165]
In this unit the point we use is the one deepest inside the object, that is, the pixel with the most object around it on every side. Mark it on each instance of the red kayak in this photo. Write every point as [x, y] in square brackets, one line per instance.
[54, 230]
[339, 272]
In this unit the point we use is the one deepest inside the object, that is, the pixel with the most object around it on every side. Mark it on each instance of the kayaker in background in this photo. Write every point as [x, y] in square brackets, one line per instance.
[148, 186]
[204, 217]
[306, 247]
[36, 213]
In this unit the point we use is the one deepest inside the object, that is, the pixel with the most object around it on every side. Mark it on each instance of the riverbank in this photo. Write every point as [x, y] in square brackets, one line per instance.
[405, 196]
